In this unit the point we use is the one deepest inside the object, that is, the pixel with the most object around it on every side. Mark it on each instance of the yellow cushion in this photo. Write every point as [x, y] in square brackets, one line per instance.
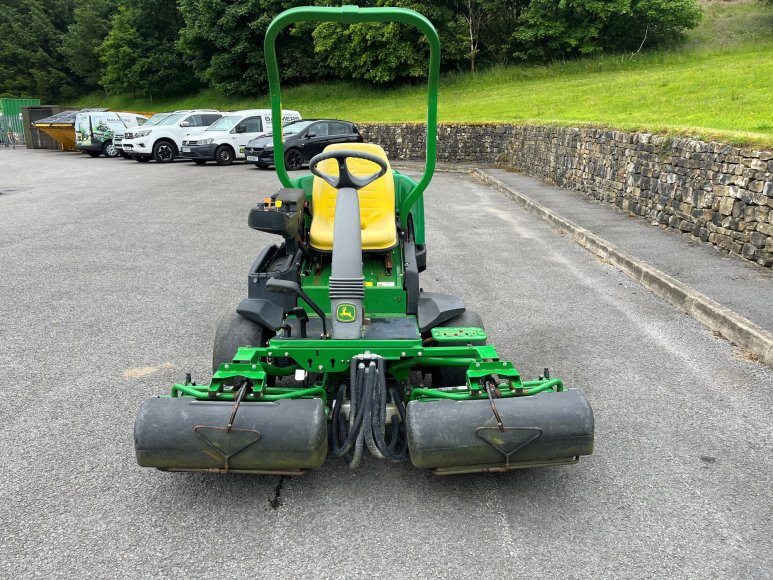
[377, 202]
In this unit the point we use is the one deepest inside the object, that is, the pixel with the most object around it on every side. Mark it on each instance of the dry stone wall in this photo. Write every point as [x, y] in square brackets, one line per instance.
[715, 192]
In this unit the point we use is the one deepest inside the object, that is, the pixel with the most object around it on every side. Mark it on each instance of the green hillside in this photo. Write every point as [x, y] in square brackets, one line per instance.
[718, 84]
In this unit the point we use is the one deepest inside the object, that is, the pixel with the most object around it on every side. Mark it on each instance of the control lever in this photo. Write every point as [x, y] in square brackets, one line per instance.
[290, 287]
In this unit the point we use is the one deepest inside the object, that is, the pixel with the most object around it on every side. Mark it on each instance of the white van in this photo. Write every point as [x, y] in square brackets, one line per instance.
[162, 141]
[94, 130]
[225, 140]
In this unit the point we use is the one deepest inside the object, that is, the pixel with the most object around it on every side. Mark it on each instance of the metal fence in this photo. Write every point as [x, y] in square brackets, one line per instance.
[11, 131]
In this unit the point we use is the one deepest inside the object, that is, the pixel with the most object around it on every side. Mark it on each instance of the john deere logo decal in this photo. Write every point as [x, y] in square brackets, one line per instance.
[346, 313]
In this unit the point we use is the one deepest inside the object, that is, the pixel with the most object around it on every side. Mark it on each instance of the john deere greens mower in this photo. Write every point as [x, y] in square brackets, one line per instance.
[336, 347]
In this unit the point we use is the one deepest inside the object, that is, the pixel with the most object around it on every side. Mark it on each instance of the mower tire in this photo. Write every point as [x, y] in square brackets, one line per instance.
[455, 376]
[232, 332]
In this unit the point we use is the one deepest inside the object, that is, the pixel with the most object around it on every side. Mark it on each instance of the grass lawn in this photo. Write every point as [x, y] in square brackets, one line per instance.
[717, 85]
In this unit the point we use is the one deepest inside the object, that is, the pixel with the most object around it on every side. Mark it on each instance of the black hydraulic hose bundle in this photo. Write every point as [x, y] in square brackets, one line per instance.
[366, 425]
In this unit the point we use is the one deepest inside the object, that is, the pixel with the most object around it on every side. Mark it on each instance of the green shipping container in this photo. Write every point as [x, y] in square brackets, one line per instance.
[10, 112]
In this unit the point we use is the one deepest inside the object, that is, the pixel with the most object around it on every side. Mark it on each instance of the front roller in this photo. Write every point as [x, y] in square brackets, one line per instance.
[185, 434]
[499, 434]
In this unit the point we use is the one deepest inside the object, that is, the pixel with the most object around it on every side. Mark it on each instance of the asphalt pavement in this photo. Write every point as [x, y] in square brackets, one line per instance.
[113, 275]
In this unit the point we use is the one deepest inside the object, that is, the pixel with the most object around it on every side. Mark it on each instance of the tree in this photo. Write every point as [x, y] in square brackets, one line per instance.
[490, 24]
[225, 41]
[83, 37]
[390, 52]
[141, 52]
[551, 29]
[30, 37]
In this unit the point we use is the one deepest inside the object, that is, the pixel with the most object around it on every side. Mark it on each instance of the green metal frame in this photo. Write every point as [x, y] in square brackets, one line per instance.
[355, 15]
[329, 359]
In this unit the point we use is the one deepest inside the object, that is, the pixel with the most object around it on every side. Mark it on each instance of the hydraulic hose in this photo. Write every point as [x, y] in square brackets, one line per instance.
[366, 426]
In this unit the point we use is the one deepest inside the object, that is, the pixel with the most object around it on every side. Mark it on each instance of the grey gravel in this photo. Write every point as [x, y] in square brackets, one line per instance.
[113, 275]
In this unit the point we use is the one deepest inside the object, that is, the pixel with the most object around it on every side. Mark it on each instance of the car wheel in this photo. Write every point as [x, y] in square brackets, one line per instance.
[109, 149]
[224, 155]
[293, 159]
[164, 152]
[94, 153]
[125, 155]
[199, 161]
[142, 158]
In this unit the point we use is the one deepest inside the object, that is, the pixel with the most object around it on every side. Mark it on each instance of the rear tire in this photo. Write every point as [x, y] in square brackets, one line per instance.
[224, 155]
[199, 161]
[94, 153]
[455, 376]
[232, 332]
[164, 151]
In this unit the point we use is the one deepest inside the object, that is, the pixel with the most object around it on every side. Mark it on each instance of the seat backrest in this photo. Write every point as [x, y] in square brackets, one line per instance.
[377, 199]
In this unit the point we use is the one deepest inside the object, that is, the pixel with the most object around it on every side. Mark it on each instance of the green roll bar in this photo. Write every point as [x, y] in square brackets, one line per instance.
[354, 15]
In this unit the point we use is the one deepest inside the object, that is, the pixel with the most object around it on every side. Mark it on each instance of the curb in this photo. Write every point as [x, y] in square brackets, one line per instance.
[737, 329]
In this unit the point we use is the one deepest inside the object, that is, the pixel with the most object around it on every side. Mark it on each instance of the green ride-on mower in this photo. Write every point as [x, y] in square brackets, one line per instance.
[337, 348]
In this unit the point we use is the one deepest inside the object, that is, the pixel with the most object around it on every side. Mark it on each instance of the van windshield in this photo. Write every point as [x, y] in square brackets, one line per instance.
[225, 123]
[171, 119]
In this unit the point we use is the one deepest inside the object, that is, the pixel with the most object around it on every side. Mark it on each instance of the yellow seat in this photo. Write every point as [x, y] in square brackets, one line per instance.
[377, 202]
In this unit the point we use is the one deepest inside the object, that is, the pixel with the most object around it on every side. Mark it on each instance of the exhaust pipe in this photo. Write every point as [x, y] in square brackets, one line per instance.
[185, 434]
[454, 437]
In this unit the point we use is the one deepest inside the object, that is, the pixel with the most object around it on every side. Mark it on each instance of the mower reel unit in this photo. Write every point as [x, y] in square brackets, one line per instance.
[337, 348]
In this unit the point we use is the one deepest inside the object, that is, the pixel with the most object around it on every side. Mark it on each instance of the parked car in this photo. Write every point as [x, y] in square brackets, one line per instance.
[302, 141]
[120, 133]
[226, 139]
[163, 141]
[94, 130]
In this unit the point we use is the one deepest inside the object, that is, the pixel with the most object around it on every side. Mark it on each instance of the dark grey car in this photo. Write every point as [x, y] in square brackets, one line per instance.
[302, 141]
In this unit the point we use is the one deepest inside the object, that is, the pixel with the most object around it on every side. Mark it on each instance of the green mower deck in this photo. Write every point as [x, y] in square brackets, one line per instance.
[335, 352]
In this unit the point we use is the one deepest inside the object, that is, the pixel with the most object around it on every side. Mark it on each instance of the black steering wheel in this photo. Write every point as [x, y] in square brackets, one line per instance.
[344, 177]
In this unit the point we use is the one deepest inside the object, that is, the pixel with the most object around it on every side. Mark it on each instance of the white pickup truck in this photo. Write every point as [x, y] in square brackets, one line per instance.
[225, 140]
[162, 142]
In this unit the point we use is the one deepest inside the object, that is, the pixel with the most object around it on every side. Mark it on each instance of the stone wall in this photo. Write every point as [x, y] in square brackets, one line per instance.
[715, 192]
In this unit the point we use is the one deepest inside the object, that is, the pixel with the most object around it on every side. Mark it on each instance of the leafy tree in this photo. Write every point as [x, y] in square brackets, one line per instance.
[389, 52]
[30, 37]
[141, 52]
[90, 26]
[490, 24]
[119, 58]
[225, 41]
[656, 21]
[564, 28]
